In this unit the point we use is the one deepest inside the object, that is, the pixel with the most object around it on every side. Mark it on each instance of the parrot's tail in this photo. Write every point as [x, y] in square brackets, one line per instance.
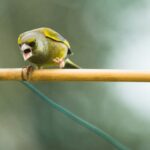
[70, 65]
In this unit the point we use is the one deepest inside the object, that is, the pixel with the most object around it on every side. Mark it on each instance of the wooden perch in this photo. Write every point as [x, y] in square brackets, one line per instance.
[106, 75]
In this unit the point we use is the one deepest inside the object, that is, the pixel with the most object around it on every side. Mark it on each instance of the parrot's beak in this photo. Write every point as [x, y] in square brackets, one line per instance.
[26, 51]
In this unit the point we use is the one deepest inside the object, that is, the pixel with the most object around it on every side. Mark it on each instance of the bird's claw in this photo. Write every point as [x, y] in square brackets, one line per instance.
[59, 61]
[27, 71]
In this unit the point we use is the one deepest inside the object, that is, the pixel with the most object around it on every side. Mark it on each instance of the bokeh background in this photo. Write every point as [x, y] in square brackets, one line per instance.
[103, 34]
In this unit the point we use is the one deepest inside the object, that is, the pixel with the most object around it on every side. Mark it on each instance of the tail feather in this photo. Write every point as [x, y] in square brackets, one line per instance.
[71, 65]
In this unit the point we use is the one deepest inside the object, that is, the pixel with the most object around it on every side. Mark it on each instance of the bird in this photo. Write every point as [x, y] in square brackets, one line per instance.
[44, 47]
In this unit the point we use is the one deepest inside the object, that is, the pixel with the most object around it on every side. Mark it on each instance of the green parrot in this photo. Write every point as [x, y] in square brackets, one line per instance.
[44, 47]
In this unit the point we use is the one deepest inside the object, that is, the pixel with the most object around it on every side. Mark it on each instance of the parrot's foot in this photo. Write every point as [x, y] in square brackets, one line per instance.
[27, 71]
[60, 62]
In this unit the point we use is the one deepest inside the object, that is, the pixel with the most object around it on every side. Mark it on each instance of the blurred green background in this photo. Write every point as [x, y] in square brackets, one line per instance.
[103, 34]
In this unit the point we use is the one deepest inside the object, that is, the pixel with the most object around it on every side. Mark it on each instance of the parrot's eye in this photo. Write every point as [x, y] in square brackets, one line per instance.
[32, 44]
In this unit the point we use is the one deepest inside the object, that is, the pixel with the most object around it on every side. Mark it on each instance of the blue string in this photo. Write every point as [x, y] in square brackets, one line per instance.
[76, 118]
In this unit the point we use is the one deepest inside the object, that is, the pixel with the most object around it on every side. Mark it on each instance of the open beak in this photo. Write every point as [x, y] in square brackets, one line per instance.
[26, 51]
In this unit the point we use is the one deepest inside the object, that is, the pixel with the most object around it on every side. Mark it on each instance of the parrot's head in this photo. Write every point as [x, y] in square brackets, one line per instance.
[32, 45]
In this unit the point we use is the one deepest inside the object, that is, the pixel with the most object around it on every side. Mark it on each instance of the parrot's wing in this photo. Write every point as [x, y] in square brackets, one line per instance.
[49, 33]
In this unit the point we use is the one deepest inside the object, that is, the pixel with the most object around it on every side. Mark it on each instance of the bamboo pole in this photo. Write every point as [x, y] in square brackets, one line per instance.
[106, 75]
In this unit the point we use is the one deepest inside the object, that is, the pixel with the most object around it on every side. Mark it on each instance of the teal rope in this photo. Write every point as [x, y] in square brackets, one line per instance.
[77, 119]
